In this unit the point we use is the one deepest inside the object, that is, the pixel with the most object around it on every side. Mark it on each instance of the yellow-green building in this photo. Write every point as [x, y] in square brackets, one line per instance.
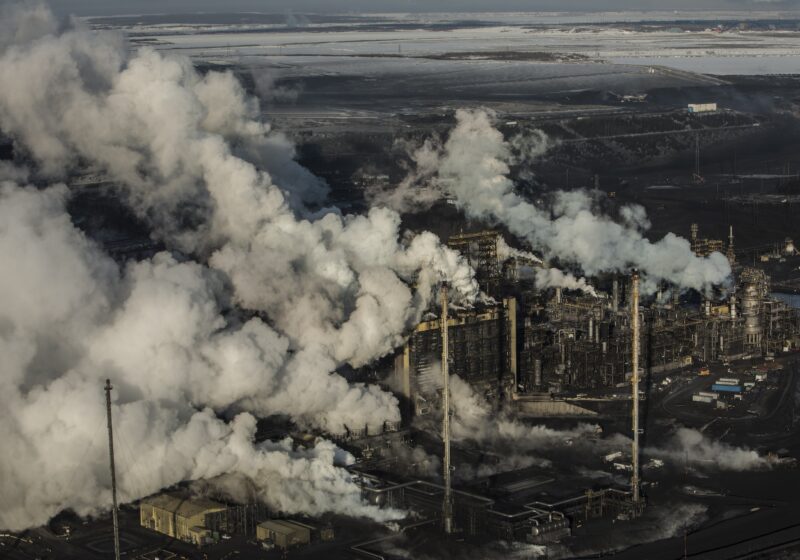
[179, 517]
[285, 534]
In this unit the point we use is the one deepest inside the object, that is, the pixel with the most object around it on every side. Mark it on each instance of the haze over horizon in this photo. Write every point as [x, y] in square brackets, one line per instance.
[100, 7]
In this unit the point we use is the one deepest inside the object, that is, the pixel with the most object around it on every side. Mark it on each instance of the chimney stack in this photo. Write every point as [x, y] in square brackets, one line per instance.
[447, 506]
[635, 386]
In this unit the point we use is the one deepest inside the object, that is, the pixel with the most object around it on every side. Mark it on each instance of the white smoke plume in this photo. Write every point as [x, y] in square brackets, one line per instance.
[690, 445]
[195, 163]
[663, 521]
[506, 252]
[156, 328]
[530, 146]
[416, 192]
[415, 461]
[555, 278]
[268, 89]
[545, 276]
[474, 164]
[474, 420]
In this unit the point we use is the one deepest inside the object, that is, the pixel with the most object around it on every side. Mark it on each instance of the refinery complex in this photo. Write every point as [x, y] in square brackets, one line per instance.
[389, 286]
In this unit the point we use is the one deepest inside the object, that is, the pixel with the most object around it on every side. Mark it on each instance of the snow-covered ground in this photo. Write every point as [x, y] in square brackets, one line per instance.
[350, 48]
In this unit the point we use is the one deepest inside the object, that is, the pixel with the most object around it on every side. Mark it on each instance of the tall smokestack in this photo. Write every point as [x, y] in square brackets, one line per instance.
[615, 295]
[635, 385]
[731, 254]
[447, 506]
[113, 469]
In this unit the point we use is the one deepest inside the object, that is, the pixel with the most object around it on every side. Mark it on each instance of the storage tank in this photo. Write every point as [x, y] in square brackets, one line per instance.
[754, 289]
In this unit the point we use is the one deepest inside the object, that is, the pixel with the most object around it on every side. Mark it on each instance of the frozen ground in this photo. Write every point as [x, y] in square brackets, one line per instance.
[403, 43]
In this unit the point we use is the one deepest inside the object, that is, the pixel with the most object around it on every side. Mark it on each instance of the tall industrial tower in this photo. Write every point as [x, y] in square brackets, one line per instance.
[447, 505]
[113, 469]
[730, 253]
[635, 386]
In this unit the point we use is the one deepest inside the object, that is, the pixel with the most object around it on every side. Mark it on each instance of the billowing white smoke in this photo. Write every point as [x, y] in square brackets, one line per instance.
[474, 165]
[474, 420]
[69, 318]
[212, 180]
[415, 461]
[415, 192]
[506, 252]
[662, 522]
[554, 278]
[691, 445]
[545, 277]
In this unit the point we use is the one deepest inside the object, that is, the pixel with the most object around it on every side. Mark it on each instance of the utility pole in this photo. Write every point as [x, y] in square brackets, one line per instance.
[113, 469]
[685, 542]
[635, 386]
[447, 506]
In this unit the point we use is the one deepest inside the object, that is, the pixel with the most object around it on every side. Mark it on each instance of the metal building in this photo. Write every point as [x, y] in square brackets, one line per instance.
[186, 519]
[284, 534]
[483, 352]
[480, 250]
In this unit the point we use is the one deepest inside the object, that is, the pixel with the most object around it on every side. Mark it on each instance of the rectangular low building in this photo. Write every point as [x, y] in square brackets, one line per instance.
[726, 388]
[702, 107]
[284, 534]
[179, 517]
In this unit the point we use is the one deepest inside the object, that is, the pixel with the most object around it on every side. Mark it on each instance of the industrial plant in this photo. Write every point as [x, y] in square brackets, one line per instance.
[387, 286]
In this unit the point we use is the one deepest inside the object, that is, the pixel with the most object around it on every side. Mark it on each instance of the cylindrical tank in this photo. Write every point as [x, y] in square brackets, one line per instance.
[751, 311]
[788, 247]
[537, 372]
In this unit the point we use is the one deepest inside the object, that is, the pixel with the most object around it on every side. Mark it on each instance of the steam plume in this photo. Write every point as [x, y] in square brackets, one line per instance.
[694, 446]
[194, 161]
[474, 165]
[156, 327]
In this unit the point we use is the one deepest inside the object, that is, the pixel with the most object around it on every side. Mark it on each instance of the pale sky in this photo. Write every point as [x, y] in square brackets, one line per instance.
[111, 7]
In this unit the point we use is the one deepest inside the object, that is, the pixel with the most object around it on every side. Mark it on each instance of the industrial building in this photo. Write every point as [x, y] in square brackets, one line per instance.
[703, 246]
[480, 250]
[284, 534]
[581, 342]
[702, 107]
[186, 519]
[518, 506]
[483, 350]
[550, 341]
